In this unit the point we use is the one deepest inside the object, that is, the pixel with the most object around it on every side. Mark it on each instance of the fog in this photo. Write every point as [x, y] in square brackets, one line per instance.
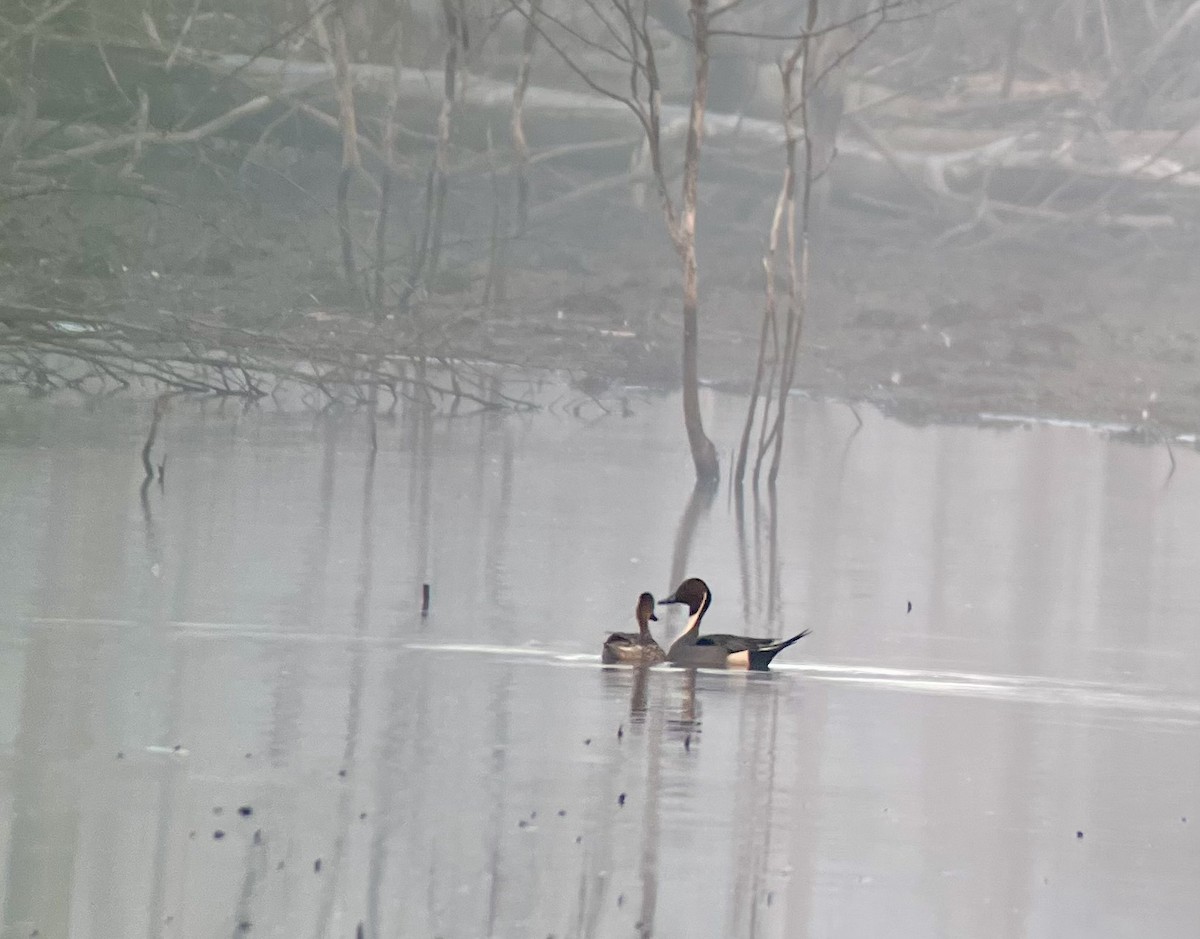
[312, 311]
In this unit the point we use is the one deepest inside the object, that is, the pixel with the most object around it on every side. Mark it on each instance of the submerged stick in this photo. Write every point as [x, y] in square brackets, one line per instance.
[1171, 454]
[160, 405]
[424, 599]
[372, 406]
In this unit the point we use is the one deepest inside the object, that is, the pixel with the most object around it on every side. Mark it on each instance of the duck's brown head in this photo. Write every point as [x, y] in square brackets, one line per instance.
[694, 592]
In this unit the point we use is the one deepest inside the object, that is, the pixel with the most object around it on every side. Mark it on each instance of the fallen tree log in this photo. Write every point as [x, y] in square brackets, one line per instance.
[1146, 156]
[885, 153]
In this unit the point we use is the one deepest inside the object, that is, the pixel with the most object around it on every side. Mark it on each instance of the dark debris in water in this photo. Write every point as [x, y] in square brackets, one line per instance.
[245, 811]
[317, 866]
[1078, 834]
[621, 799]
[218, 835]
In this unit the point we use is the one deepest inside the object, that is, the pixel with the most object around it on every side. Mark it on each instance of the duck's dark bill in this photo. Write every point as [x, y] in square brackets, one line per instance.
[670, 599]
[653, 617]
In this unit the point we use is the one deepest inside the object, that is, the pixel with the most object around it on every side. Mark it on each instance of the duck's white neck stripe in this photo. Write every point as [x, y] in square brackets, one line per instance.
[693, 623]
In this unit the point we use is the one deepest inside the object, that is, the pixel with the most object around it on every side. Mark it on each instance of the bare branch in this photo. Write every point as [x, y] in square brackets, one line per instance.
[168, 138]
[884, 8]
[36, 23]
[629, 49]
[587, 79]
[575, 34]
[724, 8]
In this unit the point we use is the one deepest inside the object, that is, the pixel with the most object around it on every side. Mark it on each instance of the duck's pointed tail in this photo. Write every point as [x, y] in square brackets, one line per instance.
[761, 658]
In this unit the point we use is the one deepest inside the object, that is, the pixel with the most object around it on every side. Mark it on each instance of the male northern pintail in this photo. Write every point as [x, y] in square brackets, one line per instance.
[635, 648]
[717, 650]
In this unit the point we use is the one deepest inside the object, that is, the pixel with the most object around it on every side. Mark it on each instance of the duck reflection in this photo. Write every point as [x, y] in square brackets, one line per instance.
[677, 688]
[637, 681]
[686, 717]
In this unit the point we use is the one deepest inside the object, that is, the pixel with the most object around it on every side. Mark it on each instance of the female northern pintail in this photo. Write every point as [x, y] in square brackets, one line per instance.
[635, 648]
[717, 650]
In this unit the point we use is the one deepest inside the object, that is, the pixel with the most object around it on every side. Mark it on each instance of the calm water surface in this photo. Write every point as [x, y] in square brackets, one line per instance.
[1018, 755]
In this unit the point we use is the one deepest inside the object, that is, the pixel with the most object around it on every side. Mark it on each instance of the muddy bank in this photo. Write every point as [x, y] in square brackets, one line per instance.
[1042, 321]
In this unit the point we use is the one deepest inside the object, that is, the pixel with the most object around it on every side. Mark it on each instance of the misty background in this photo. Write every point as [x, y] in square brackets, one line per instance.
[1003, 212]
[343, 353]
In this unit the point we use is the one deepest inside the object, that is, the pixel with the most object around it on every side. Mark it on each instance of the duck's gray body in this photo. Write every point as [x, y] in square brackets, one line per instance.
[717, 650]
[637, 648]
[722, 651]
[629, 649]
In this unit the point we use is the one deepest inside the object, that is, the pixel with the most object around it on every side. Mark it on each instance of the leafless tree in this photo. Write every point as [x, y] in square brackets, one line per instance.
[625, 28]
[812, 83]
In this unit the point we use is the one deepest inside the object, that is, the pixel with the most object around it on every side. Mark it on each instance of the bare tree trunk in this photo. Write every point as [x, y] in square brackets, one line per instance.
[493, 283]
[19, 128]
[495, 288]
[456, 28]
[646, 103]
[348, 126]
[1012, 50]
[422, 241]
[797, 274]
[704, 454]
[517, 122]
[429, 245]
[389, 150]
[769, 326]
